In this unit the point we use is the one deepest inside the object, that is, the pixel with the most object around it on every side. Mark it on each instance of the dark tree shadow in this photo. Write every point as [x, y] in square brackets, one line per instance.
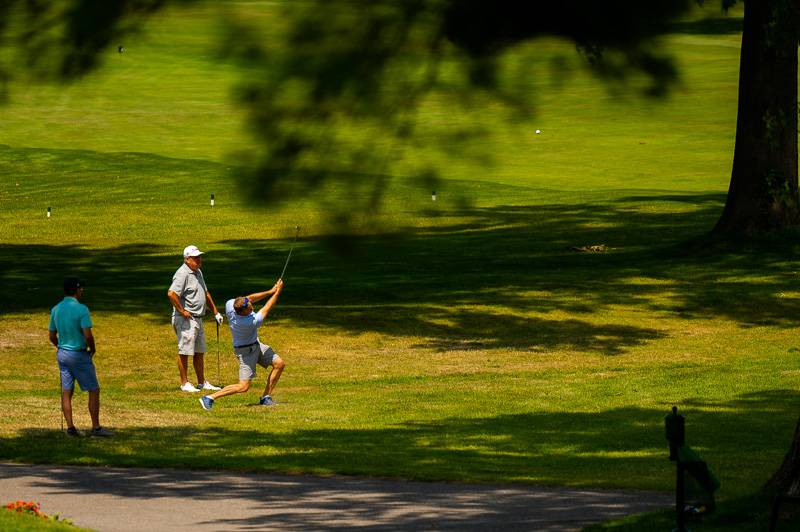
[437, 283]
[608, 448]
[710, 26]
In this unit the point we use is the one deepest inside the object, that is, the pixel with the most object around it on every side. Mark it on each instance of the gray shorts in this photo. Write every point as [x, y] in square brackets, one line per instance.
[260, 354]
[190, 333]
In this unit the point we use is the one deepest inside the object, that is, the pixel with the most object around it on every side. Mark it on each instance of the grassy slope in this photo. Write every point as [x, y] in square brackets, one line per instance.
[473, 344]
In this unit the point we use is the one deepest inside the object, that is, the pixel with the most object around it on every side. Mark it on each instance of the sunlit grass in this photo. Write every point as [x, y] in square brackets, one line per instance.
[24, 522]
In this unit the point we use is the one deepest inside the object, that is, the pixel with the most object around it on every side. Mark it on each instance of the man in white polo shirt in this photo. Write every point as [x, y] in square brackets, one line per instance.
[189, 297]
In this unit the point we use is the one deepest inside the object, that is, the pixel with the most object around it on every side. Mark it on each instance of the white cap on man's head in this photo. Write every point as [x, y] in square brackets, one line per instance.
[191, 251]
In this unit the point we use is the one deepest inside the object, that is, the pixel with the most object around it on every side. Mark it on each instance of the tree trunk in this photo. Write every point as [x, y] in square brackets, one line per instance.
[763, 192]
[787, 478]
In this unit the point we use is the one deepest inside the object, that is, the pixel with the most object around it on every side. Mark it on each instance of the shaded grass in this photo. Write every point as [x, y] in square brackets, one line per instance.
[746, 514]
[593, 448]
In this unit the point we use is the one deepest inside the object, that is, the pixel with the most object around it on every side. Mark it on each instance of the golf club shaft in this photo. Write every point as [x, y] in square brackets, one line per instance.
[297, 232]
[219, 380]
[60, 403]
[287, 261]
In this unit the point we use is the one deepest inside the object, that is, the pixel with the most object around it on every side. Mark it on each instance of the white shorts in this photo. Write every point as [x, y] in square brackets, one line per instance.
[191, 335]
[258, 353]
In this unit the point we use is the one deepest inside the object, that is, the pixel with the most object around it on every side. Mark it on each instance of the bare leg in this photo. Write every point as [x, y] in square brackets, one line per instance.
[182, 361]
[66, 407]
[240, 387]
[94, 407]
[197, 360]
[275, 373]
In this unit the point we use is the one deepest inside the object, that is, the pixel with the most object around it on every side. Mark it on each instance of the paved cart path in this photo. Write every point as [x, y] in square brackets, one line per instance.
[111, 499]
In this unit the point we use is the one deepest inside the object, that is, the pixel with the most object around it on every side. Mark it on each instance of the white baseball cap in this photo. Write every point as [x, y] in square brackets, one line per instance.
[191, 251]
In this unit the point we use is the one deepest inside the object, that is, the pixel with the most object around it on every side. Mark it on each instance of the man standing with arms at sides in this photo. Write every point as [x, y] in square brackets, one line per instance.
[189, 297]
[71, 332]
[244, 324]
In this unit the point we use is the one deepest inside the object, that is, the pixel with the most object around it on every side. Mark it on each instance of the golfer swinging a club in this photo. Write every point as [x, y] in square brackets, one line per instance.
[244, 323]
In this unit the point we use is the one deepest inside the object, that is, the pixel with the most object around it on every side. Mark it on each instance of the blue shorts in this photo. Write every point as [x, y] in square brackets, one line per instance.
[77, 365]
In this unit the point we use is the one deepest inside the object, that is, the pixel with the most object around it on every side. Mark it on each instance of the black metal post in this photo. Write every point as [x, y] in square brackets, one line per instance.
[680, 499]
[675, 428]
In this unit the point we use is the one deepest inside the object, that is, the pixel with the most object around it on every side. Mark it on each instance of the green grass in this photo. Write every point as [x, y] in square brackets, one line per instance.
[459, 340]
[746, 514]
[24, 522]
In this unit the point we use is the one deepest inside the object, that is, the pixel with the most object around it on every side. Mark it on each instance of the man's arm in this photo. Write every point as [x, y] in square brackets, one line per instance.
[87, 333]
[54, 338]
[274, 299]
[258, 296]
[176, 302]
[210, 303]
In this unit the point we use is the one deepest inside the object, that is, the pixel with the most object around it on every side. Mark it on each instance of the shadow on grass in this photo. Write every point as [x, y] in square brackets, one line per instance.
[621, 447]
[722, 25]
[472, 283]
[743, 514]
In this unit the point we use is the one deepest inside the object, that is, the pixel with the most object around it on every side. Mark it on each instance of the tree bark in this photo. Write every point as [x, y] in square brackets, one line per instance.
[787, 478]
[763, 193]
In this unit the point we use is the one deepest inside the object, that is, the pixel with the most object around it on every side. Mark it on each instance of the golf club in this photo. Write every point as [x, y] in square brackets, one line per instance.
[218, 377]
[60, 403]
[296, 232]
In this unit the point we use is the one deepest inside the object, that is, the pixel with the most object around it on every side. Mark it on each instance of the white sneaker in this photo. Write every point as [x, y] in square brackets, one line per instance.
[189, 387]
[208, 386]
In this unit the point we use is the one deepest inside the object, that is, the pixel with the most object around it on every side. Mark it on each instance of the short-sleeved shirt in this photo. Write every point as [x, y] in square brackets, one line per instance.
[244, 329]
[68, 319]
[191, 289]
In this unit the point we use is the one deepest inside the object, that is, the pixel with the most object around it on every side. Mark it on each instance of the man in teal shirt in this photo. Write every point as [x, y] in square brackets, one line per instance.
[71, 332]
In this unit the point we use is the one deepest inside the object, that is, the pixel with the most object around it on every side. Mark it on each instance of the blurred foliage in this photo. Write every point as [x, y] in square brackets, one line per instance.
[62, 39]
[336, 93]
[339, 95]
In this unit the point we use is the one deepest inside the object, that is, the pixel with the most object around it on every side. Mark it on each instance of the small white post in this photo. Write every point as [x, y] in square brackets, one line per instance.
[49, 210]
[212, 200]
[433, 196]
